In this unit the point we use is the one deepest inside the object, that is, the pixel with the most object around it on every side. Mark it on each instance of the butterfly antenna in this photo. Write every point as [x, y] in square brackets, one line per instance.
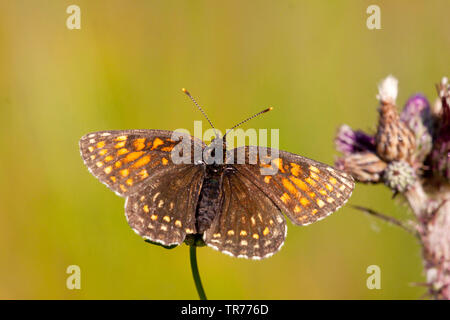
[201, 110]
[248, 119]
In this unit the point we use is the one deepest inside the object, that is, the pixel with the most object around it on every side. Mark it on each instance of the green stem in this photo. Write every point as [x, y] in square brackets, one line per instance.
[195, 273]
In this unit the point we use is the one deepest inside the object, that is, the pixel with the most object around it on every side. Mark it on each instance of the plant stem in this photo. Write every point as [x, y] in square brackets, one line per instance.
[195, 273]
[387, 219]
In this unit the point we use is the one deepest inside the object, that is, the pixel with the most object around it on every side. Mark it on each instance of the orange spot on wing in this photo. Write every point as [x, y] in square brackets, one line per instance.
[304, 201]
[164, 161]
[299, 183]
[167, 149]
[141, 162]
[108, 158]
[118, 164]
[157, 142]
[129, 182]
[124, 172]
[121, 138]
[101, 144]
[285, 198]
[103, 152]
[143, 174]
[290, 187]
[133, 156]
[311, 181]
[295, 170]
[120, 145]
[122, 187]
[139, 144]
[314, 175]
[122, 151]
[113, 179]
[278, 162]
[266, 231]
[267, 179]
[333, 180]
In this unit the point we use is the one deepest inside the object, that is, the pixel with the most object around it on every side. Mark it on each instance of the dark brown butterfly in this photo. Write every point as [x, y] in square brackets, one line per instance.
[233, 207]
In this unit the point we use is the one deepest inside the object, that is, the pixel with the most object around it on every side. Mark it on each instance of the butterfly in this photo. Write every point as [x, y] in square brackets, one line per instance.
[233, 207]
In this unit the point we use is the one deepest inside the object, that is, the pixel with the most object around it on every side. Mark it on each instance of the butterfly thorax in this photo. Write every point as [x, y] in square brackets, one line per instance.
[210, 200]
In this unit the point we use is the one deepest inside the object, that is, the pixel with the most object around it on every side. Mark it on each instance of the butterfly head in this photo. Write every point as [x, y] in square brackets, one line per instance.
[215, 152]
[218, 144]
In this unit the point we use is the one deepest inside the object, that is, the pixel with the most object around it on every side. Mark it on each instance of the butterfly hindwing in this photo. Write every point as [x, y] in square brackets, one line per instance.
[249, 225]
[305, 190]
[164, 211]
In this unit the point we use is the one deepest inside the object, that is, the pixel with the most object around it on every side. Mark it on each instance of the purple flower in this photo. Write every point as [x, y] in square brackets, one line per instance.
[417, 106]
[348, 141]
[418, 117]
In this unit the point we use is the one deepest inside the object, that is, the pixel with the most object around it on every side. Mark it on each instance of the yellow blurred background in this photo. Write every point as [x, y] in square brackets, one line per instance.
[315, 62]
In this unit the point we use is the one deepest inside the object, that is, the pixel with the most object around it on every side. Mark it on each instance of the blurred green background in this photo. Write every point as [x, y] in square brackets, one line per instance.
[314, 61]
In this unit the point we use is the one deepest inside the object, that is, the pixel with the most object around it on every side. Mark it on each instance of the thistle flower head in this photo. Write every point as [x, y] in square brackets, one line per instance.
[363, 166]
[399, 176]
[349, 141]
[394, 140]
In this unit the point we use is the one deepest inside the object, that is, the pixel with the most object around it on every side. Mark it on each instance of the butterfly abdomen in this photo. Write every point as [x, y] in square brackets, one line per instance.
[209, 201]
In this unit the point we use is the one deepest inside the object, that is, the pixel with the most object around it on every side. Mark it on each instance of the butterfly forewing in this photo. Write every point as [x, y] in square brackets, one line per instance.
[164, 210]
[249, 225]
[306, 190]
[125, 160]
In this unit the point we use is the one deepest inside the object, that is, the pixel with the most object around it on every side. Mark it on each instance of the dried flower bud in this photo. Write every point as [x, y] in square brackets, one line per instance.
[436, 108]
[394, 140]
[388, 90]
[440, 157]
[417, 116]
[348, 141]
[399, 176]
[363, 166]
